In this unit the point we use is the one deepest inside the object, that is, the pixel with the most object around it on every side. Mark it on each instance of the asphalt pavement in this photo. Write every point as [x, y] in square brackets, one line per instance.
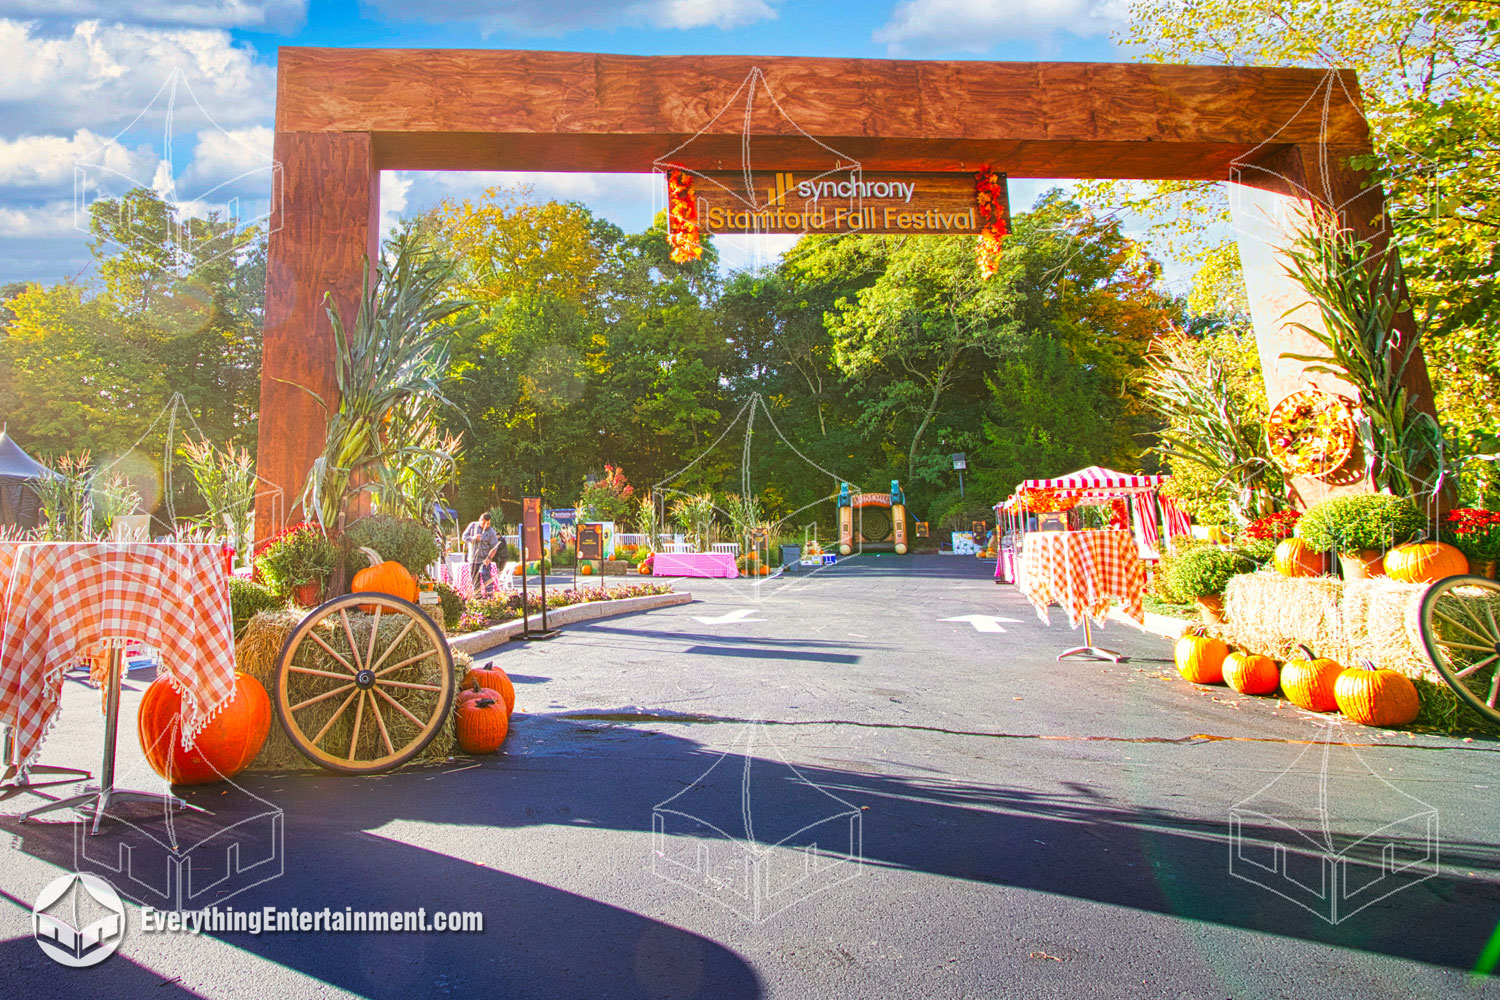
[872, 780]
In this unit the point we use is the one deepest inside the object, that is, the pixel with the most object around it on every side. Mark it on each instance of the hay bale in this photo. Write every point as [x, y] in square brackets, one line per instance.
[256, 654]
[1273, 614]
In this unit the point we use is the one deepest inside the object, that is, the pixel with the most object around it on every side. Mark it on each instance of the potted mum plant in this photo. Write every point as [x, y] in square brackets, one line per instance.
[1475, 533]
[1360, 528]
[296, 563]
[1202, 574]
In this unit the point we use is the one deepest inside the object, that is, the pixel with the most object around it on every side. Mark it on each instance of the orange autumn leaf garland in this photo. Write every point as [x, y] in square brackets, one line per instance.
[684, 238]
[989, 195]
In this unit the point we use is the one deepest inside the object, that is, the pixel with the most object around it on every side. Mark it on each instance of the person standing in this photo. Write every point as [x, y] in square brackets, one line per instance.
[481, 539]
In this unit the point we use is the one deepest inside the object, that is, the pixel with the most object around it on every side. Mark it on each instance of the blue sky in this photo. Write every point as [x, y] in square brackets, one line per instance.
[86, 86]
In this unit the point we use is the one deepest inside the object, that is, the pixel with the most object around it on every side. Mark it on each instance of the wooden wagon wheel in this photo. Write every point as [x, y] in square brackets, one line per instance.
[1461, 631]
[364, 683]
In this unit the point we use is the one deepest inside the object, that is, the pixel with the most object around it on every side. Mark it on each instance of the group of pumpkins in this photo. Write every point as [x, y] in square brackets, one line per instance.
[750, 564]
[238, 730]
[1414, 562]
[1373, 697]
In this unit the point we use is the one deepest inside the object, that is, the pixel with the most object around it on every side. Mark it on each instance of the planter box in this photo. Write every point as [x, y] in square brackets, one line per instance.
[616, 567]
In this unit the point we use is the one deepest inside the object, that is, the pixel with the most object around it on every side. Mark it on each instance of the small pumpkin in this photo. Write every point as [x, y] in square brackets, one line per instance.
[1424, 562]
[1294, 557]
[481, 722]
[1200, 657]
[492, 677]
[224, 747]
[1251, 673]
[1376, 697]
[383, 576]
[1308, 682]
[764, 570]
[587, 569]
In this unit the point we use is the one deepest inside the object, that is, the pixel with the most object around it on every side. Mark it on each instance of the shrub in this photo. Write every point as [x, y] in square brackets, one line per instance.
[397, 539]
[451, 602]
[1360, 521]
[303, 554]
[1474, 532]
[247, 599]
[1206, 572]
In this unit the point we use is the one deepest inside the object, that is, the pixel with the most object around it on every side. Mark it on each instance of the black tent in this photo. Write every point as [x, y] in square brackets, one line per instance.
[19, 503]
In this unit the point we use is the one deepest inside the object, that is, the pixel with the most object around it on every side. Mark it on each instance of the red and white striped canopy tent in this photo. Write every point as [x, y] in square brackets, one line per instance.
[1099, 483]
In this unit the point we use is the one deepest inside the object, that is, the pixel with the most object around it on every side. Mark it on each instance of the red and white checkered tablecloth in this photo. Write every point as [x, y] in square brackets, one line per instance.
[1081, 571]
[61, 600]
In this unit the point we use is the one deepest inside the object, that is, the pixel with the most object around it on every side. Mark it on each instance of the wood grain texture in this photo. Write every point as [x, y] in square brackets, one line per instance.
[328, 220]
[519, 110]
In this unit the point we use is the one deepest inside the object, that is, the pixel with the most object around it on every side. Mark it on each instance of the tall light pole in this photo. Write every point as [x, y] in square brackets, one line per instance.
[960, 463]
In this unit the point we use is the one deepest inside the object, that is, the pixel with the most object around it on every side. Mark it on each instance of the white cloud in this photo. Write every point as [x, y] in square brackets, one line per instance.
[231, 158]
[50, 220]
[47, 161]
[267, 15]
[557, 17]
[703, 13]
[394, 187]
[103, 76]
[978, 25]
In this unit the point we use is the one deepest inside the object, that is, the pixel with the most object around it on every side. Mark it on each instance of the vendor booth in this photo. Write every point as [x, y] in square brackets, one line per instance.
[20, 506]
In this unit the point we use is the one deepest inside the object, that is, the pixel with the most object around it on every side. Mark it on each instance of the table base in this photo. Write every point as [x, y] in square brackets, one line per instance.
[106, 792]
[1089, 649]
[13, 784]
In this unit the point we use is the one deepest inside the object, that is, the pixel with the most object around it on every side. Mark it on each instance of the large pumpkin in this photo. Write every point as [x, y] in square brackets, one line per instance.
[1200, 657]
[1376, 697]
[1308, 682]
[492, 677]
[1424, 562]
[383, 576]
[480, 722]
[1251, 673]
[1294, 557]
[224, 747]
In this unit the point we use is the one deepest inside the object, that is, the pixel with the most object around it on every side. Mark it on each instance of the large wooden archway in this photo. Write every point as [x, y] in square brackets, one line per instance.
[343, 115]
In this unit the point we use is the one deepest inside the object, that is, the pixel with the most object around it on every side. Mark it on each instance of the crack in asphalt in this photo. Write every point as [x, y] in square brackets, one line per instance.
[688, 718]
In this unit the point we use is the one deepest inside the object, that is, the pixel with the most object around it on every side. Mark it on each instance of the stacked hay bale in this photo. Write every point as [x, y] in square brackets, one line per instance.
[256, 654]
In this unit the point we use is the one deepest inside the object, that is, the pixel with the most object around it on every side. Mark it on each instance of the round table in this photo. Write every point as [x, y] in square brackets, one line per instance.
[1083, 571]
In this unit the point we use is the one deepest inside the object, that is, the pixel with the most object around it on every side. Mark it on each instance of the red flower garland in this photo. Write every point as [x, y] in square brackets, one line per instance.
[684, 238]
[989, 195]
[1273, 526]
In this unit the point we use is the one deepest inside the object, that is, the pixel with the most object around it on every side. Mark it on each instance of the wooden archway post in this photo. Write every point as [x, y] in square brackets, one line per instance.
[343, 115]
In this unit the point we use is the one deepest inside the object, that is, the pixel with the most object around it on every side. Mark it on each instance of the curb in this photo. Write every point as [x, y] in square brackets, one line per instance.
[1162, 625]
[495, 635]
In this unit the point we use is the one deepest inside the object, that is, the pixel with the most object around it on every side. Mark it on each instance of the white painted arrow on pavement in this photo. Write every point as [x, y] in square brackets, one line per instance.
[981, 623]
[732, 618]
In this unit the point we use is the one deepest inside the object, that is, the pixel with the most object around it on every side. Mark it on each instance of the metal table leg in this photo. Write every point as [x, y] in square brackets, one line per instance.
[1089, 649]
[13, 783]
[106, 793]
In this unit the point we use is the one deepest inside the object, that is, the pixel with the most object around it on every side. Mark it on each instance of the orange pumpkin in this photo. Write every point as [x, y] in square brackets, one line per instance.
[1308, 682]
[764, 570]
[1200, 657]
[1424, 562]
[481, 722]
[1294, 557]
[383, 576]
[1251, 673]
[492, 677]
[224, 747]
[587, 569]
[1376, 697]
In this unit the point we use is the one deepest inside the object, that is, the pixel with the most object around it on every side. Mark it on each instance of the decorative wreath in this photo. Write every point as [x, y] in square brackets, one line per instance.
[684, 238]
[1311, 432]
[1047, 502]
[990, 196]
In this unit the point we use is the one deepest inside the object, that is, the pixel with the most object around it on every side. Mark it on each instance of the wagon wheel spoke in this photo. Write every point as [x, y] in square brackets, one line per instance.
[333, 718]
[1458, 625]
[1478, 666]
[376, 664]
[315, 637]
[322, 697]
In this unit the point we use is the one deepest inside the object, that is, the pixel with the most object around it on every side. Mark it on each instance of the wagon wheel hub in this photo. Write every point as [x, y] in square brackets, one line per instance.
[365, 679]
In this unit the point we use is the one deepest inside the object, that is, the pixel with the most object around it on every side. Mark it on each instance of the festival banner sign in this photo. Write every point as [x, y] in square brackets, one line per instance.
[840, 201]
[531, 527]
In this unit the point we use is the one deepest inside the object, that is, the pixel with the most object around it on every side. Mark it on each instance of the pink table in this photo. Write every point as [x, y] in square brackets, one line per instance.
[693, 564]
